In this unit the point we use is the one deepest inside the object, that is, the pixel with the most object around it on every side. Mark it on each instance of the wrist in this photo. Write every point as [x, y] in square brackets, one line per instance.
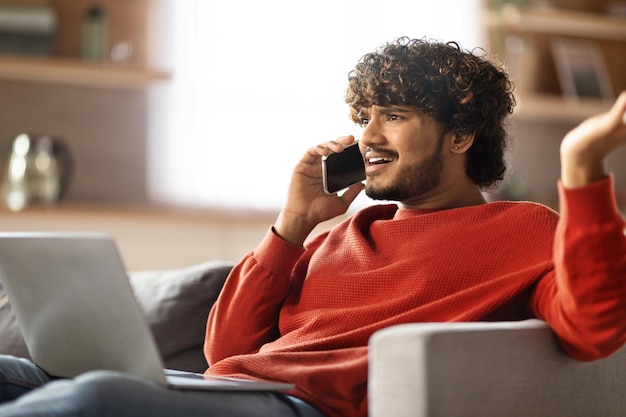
[577, 175]
[292, 228]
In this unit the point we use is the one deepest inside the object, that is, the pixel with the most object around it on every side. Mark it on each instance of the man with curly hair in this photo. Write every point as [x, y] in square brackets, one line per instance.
[301, 308]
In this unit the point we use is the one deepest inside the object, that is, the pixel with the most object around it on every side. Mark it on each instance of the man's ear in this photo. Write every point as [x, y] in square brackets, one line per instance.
[462, 142]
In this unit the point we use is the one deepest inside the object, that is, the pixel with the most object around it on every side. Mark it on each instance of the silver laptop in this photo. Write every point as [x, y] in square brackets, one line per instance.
[77, 311]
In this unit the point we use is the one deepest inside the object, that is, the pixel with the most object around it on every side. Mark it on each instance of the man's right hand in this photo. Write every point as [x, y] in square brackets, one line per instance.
[307, 205]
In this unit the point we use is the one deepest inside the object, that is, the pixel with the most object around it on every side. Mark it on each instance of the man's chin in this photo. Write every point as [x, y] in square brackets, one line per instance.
[378, 193]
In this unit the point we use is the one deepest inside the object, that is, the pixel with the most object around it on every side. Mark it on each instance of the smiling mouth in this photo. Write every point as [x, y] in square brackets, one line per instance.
[379, 160]
[374, 156]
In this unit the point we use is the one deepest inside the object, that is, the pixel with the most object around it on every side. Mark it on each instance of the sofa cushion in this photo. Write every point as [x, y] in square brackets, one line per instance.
[11, 341]
[175, 302]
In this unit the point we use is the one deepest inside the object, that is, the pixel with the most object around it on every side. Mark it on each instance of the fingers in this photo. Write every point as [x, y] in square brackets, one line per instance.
[613, 127]
[618, 111]
[613, 120]
[337, 145]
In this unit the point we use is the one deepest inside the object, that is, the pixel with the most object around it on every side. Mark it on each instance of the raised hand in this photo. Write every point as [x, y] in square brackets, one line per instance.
[307, 205]
[585, 148]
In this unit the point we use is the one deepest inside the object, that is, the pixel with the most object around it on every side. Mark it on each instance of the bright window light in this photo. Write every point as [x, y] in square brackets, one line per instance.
[256, 83]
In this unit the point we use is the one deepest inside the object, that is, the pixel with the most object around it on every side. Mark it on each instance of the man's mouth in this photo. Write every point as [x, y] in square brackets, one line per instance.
[375, 156]
[379, 160]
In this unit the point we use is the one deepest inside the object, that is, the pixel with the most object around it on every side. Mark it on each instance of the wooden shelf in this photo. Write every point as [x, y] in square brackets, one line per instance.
[553, 108]
[150, 238]
[559, 22]
[531, 64]
[78, 73]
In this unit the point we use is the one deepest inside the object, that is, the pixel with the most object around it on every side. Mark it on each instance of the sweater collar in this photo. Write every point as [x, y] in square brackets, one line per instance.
[402, 213]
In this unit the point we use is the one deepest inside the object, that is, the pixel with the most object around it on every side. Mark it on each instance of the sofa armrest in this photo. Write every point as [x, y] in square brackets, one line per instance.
[488, 369]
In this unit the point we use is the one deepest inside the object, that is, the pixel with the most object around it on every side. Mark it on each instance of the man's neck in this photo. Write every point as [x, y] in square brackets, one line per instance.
[447, 198]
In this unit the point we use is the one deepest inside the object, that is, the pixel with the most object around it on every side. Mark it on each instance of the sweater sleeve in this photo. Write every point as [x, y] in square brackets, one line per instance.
[583, 298]
[245, 315]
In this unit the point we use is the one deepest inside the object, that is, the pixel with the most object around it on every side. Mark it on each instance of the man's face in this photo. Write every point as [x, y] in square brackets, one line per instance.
[403, 153]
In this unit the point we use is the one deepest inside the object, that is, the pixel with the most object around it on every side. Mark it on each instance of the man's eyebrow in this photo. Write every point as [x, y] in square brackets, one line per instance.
[384, 110]
[393, 109]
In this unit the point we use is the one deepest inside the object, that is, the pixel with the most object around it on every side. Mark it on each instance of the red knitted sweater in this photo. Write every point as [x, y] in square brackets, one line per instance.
[305, 315]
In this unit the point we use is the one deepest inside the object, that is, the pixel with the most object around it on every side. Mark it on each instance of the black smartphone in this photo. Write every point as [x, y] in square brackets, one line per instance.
[340, 170]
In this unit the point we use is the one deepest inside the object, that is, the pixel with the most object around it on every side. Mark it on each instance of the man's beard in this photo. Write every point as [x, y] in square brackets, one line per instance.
[411, 180]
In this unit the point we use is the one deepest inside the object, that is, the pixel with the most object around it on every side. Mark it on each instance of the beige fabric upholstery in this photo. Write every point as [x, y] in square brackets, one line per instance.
[488, 369]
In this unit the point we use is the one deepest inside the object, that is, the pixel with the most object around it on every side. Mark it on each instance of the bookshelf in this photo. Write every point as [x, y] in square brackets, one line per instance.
[134, 24]
[521, 33]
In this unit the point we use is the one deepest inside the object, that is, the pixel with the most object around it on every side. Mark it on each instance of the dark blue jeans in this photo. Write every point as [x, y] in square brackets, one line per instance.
[25, 390]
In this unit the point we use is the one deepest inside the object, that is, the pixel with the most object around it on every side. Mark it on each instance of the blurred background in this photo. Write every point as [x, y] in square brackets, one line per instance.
[174, 125]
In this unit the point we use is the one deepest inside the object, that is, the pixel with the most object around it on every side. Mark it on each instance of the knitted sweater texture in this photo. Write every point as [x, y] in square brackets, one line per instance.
[305, 315]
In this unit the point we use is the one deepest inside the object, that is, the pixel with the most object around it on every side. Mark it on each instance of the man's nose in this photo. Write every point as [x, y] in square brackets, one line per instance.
[372, 133]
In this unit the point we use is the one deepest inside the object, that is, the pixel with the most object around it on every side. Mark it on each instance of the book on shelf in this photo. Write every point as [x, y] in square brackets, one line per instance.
[27, 29]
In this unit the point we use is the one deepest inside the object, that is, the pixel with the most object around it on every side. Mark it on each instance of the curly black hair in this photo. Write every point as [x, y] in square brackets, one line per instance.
[462, 90]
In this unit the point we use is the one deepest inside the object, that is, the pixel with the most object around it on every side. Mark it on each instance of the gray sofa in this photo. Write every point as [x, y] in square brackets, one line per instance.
[416, 370]
[503, 369]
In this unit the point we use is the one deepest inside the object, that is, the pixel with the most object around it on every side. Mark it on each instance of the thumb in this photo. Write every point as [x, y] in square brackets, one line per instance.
[352, 192]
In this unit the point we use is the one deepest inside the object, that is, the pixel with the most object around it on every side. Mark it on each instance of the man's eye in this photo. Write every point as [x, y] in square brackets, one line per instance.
[364, 121]
[393, 117]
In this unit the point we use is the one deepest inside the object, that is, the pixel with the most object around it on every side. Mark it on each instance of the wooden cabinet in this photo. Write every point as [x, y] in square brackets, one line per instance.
[523, 35]
[136, 25]
[150, 238]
